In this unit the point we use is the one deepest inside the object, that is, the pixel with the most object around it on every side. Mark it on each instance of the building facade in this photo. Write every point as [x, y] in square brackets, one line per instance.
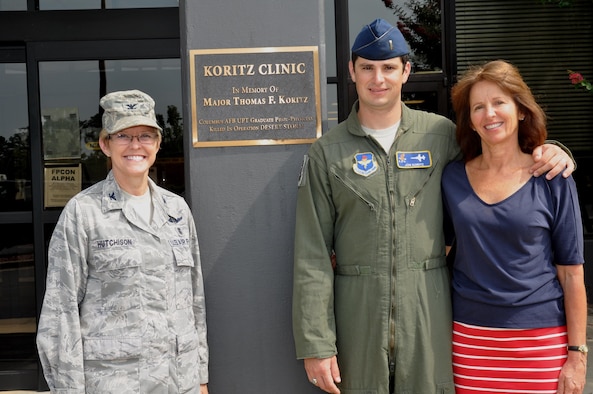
[57, 59]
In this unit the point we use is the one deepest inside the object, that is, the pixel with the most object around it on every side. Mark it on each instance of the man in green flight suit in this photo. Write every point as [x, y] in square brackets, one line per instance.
[378, 320]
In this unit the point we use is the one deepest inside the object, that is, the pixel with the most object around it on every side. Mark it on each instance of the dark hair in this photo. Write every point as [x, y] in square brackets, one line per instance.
[532, 130]
[404, 58]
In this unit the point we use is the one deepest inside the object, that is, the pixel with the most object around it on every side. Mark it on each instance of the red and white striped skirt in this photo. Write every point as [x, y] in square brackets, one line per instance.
[502, 360]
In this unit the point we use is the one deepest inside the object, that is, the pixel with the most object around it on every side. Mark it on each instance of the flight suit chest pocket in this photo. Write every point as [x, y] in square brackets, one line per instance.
[184, 264]
[117, 274]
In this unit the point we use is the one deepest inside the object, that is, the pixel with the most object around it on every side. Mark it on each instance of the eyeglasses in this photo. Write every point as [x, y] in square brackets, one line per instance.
[126, 139]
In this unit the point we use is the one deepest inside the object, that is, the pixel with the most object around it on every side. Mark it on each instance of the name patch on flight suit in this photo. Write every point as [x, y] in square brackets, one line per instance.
[365, 164]
[417, 159]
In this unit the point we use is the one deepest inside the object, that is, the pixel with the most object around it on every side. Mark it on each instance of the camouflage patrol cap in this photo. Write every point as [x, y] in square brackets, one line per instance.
[127, 108]
[380, 41]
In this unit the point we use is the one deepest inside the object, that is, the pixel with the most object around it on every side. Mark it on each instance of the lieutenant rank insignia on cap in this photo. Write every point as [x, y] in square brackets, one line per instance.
[379, 40]
[365, 164]
[417, 159]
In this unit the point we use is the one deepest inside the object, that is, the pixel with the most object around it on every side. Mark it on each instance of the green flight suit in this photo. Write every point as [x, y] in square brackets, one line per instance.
[386, 304]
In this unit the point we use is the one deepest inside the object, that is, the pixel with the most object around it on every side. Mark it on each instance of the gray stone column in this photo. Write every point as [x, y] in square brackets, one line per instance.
[243, 199]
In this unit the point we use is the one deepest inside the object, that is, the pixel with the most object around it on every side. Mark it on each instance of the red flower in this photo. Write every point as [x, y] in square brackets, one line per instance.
[576, 78]
[578, 81]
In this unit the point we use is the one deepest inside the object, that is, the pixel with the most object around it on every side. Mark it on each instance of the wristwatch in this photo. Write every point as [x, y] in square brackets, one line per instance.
[582, 348]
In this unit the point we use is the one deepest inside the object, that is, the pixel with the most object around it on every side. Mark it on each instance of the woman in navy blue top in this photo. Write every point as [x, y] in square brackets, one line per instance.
[519, 301]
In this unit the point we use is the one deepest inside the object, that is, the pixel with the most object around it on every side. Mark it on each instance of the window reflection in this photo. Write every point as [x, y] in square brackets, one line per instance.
[420, 23]
[332, 106]
[104, 4]
[13, 5]
[17, 298]
[70, 94]
[418, 20]
[424, 101]
[330, 39]
[15, 169]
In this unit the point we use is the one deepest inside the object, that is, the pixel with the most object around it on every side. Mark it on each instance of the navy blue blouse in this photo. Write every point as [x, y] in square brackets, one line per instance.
[504, 273]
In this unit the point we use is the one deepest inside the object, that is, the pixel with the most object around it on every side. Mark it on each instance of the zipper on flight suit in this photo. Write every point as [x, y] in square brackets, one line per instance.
[349, 187]
[412, 201]
[392, 311]
[389, 174]
[392, 329]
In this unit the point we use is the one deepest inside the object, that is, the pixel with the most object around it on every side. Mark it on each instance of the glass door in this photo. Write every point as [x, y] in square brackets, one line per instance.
[18, 356]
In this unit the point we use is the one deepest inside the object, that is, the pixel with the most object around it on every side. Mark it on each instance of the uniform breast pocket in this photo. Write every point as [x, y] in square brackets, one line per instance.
[184, 264]
[117, 274]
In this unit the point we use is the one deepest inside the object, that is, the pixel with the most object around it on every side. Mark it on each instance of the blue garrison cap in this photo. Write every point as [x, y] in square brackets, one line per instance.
[380, 41]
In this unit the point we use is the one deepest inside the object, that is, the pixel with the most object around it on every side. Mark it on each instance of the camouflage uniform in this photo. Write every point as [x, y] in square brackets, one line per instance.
[124, 307]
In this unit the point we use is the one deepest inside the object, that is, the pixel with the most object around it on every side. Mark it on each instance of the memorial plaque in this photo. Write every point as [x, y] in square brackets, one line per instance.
[255, 96]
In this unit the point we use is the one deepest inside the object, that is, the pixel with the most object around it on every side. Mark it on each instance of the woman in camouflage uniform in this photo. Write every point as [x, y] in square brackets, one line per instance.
[124, 304]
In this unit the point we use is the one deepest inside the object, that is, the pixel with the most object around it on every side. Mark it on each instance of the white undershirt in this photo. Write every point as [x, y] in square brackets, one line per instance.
[385, 137]
[142, 205]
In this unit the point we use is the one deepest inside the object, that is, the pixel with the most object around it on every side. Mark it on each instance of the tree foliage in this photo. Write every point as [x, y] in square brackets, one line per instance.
[422, 30]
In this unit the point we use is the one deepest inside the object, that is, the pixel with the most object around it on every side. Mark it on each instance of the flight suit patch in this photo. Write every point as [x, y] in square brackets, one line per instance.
[365, 164]
[416, 159]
